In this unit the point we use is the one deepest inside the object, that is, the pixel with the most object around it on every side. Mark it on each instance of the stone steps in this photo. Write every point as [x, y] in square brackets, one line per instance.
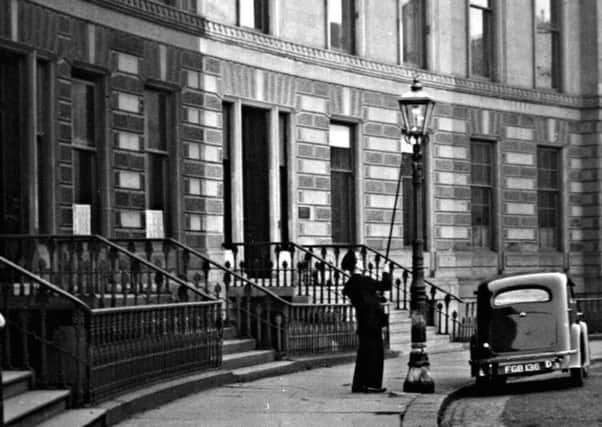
[24, 406]
[400, 326]
[247, 358]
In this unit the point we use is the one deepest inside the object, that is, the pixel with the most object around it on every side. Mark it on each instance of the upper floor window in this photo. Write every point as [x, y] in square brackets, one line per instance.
[254, 14]
[481, 193]
[342, 183]
[84, 99]
[190, 6]
[341, 25]
[480, 38]
[547, 44]
[158, 132]
[548, 197]
[412, 32]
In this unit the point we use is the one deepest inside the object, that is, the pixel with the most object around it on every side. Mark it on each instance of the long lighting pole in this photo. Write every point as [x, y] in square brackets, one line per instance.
[416, 111]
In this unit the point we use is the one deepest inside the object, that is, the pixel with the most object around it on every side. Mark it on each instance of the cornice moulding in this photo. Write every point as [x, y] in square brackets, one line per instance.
[201, 27]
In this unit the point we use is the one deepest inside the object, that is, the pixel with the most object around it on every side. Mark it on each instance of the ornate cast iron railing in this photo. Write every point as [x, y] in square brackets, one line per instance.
[292, 328]
[449, 313]
[45, 330]
[129, 346]
[323, 328]
[253, 305]
[99, 352]
[188, 264]
[97, 271]
[288, 265]
[276, 266]
[591, 307]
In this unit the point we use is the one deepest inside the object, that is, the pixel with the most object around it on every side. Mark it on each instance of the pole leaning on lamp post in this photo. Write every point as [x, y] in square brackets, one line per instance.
[416, 113]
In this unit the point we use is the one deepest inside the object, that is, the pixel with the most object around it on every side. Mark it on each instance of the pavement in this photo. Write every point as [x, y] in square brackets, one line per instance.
[302, 392]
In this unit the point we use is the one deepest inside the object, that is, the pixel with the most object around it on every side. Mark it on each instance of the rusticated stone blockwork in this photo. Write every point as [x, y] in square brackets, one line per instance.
[303, 90]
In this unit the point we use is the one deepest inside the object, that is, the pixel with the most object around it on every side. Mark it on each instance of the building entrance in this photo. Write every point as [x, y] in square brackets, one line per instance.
[13, 218]
[256, 198]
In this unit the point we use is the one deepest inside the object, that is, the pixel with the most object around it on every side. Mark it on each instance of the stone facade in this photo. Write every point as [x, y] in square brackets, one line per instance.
[203, 61]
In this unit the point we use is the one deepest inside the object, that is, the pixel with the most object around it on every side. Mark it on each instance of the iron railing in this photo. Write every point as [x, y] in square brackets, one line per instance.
[129, 346]
[97, 271]
[276, 266]
[98, 352]
[281, 265]
[45, 330]
[450, 314]
[252, 303]
[590, 306]
[323, 328]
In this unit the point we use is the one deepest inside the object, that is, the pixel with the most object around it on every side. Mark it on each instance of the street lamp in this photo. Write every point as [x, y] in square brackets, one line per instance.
[416, 112]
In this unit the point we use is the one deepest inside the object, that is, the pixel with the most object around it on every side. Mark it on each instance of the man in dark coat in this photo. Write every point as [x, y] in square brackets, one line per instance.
[362, 292]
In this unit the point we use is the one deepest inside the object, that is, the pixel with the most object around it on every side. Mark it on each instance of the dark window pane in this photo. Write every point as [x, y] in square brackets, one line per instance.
[84, 166]
[227, 139]
[340, 158]
[157, 181]
[82, 107]
[481, 29]
[157, 132]
[156, 119]
[254, 14]
[283, 136]
[341, 17]
[85, 189]
[412, 12]
[547, 46]
[342, 195]
[481, 190]
[342, 183]
[548, 196]
[190, 5]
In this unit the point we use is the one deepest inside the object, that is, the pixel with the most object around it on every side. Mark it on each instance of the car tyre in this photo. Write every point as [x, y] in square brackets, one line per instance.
[490, 385]
[497, 382]
[483, 384]
[577, 376]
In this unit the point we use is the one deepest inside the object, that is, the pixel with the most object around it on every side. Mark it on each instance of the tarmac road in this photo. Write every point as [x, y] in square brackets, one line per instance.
[532, 401]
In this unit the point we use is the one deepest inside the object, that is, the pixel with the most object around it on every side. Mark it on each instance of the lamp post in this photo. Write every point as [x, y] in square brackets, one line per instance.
[416, 112]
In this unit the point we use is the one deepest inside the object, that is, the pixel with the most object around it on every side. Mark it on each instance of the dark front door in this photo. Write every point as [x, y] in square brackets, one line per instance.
[12, 201]
[255, 190]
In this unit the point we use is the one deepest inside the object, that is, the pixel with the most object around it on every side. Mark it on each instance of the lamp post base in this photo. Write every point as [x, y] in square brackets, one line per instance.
[419, 379]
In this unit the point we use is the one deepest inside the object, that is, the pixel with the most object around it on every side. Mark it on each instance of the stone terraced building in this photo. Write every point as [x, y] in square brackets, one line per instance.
[220, 121]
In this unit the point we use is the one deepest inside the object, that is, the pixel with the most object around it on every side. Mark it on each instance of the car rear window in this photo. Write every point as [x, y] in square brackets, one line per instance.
[522, 295]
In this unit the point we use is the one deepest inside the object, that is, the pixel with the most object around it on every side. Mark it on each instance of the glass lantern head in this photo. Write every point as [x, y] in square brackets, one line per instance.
[416, 112]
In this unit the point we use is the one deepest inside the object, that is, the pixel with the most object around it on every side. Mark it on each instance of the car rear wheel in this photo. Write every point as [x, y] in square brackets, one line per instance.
[577, 376]
[490, 384]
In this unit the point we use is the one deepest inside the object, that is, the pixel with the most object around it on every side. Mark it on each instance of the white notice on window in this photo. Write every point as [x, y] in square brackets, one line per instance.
[82, 217]
[154, 224]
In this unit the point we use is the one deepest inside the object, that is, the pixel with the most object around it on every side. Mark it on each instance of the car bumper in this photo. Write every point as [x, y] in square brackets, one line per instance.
[521, 364]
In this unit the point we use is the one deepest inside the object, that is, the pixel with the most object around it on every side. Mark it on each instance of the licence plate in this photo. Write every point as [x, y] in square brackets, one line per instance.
[525, 368]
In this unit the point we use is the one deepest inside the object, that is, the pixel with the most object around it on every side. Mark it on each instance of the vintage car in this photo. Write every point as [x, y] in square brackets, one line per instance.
[528, 324]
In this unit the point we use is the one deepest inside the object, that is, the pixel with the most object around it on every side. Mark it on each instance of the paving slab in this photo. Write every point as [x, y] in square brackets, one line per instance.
[321, 396]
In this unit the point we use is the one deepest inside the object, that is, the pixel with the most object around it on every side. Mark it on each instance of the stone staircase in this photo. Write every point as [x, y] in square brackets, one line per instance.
[242, 352]
[400, 326]
[24, 406]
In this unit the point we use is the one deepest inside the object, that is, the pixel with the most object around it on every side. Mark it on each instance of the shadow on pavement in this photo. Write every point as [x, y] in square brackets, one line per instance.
[519, 386]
